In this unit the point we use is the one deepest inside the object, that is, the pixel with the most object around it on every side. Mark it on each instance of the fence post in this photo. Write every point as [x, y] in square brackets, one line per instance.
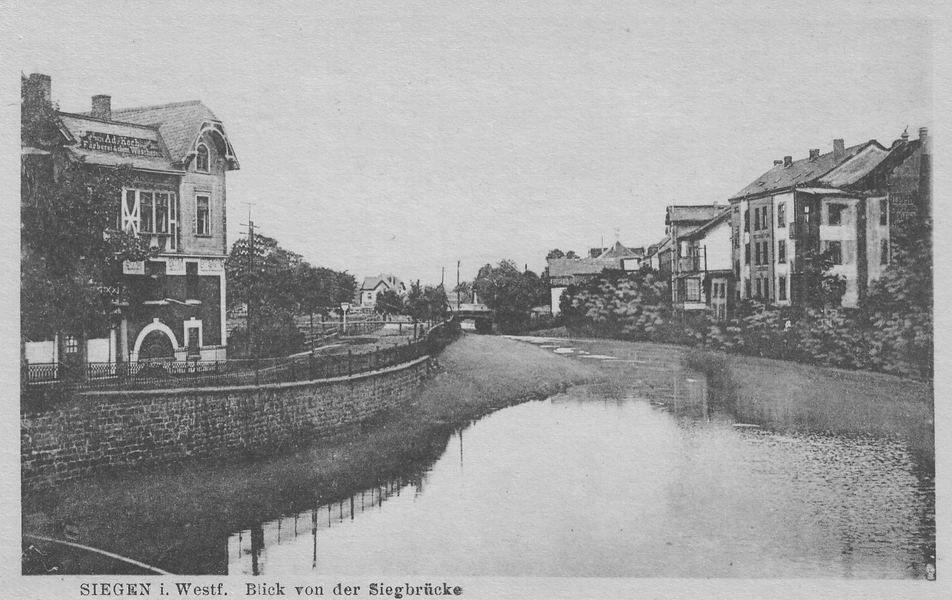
[349, 357]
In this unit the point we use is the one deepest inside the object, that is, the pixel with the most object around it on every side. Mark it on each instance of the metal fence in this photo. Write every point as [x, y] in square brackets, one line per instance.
[57, 381]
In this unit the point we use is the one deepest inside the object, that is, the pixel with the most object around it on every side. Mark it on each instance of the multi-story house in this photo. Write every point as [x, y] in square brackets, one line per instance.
[704, 278]
[800, 209]
[678, 222]
[172, 306]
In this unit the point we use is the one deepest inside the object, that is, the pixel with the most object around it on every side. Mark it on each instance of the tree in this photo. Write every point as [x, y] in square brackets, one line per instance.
[276, 284]
[389, 302]
[822, 289]
[556, 253]
[571, 254]
[70, 244]
[510, 293]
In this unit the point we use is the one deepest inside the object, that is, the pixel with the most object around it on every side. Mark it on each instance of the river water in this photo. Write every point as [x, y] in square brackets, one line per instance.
[603, 482]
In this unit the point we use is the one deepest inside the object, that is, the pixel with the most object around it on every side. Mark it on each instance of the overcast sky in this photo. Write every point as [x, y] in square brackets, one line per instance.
[402, 137]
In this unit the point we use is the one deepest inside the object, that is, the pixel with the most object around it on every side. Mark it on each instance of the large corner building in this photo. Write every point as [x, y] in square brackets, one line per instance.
[171, 307]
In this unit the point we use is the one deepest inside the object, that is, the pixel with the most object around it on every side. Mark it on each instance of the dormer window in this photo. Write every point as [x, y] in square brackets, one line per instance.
[201, 158]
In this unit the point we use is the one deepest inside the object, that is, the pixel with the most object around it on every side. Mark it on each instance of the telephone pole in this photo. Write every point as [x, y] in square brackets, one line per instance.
[251, 275]
[458, 291]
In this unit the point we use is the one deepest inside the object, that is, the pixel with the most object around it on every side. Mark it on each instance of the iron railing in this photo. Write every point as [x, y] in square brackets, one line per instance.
[56, 381]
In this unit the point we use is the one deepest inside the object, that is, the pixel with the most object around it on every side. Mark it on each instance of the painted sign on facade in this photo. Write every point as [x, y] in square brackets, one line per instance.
[121, 144]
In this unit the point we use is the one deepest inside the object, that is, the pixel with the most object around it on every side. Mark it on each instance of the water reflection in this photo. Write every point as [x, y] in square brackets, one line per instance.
[611, 481]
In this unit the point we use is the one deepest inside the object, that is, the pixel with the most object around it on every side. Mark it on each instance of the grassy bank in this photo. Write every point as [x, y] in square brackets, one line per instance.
[788, 395]
[179, 518]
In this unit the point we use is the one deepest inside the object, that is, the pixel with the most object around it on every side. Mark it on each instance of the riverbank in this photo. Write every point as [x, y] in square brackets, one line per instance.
[169, 516]
[781, 395]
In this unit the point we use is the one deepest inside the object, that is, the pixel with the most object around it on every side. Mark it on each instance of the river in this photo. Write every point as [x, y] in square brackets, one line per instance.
[602, 481]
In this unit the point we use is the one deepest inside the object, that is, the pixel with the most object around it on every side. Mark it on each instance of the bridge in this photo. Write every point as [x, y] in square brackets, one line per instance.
[474, 317]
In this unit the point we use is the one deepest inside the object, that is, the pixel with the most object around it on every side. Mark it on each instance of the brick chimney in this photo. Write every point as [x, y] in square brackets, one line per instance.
[787, 161]
[925, 140]
[839, 149]
[777, 163]
[102, 107]
[39, 89]
[814, 153]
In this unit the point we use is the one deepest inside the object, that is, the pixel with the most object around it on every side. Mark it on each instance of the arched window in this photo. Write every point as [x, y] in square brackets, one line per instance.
[201, 158]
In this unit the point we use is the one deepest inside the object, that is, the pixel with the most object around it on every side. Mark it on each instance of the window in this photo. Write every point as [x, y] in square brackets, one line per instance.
[758, 288]
[836, 252]
[146, 212]
[71, 344]
[756, 219]
[747, 254]
[202, 216]
[161, 213]
[201, 158]
[150, 212]
[747, 287]
[764, 223]
[765, 254]
[884, 212]
[693, 289]
[736, 237]
[737, 269]
[782, 215]
[782, 288]
[835, 214]
[782, 251]
[884, 252]
[747, 220]
[806, 214]
[756, 253]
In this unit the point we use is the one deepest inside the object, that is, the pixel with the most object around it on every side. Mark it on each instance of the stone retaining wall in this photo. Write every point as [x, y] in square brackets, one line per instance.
[101, 430]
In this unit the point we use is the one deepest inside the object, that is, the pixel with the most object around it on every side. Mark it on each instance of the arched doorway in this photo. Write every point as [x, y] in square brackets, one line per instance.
[156, 346]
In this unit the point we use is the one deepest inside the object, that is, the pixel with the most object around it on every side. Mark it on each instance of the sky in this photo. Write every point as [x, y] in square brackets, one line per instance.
[404, 137]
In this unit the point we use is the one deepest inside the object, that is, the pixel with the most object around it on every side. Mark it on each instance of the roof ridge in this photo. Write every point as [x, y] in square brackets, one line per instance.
[154, 106]
[92, 118]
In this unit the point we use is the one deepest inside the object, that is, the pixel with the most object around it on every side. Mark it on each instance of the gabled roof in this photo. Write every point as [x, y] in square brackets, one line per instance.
[707, 227]
[898, 153]
[800, 172]
[697, 213]
[388, 281]
[569, 267]
[618, 252]
[180, 124]
[856, 167]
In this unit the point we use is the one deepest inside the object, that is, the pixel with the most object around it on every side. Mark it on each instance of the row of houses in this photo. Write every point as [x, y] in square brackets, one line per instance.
[845, 205]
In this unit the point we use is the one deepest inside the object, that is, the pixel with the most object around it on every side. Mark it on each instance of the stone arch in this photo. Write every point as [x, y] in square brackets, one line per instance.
[155, 326]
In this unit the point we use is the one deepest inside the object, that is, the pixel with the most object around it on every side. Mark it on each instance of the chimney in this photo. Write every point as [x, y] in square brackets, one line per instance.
[39, 89]
[925, 140]
[102, 107]
[777, 163]
[814, 153]
[839, 149]
[787, 161]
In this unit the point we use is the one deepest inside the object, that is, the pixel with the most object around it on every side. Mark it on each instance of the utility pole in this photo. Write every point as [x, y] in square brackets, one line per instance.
[251, 274]
[457, 286]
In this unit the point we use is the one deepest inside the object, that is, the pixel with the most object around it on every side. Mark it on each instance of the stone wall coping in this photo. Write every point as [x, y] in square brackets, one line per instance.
[263, 386]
